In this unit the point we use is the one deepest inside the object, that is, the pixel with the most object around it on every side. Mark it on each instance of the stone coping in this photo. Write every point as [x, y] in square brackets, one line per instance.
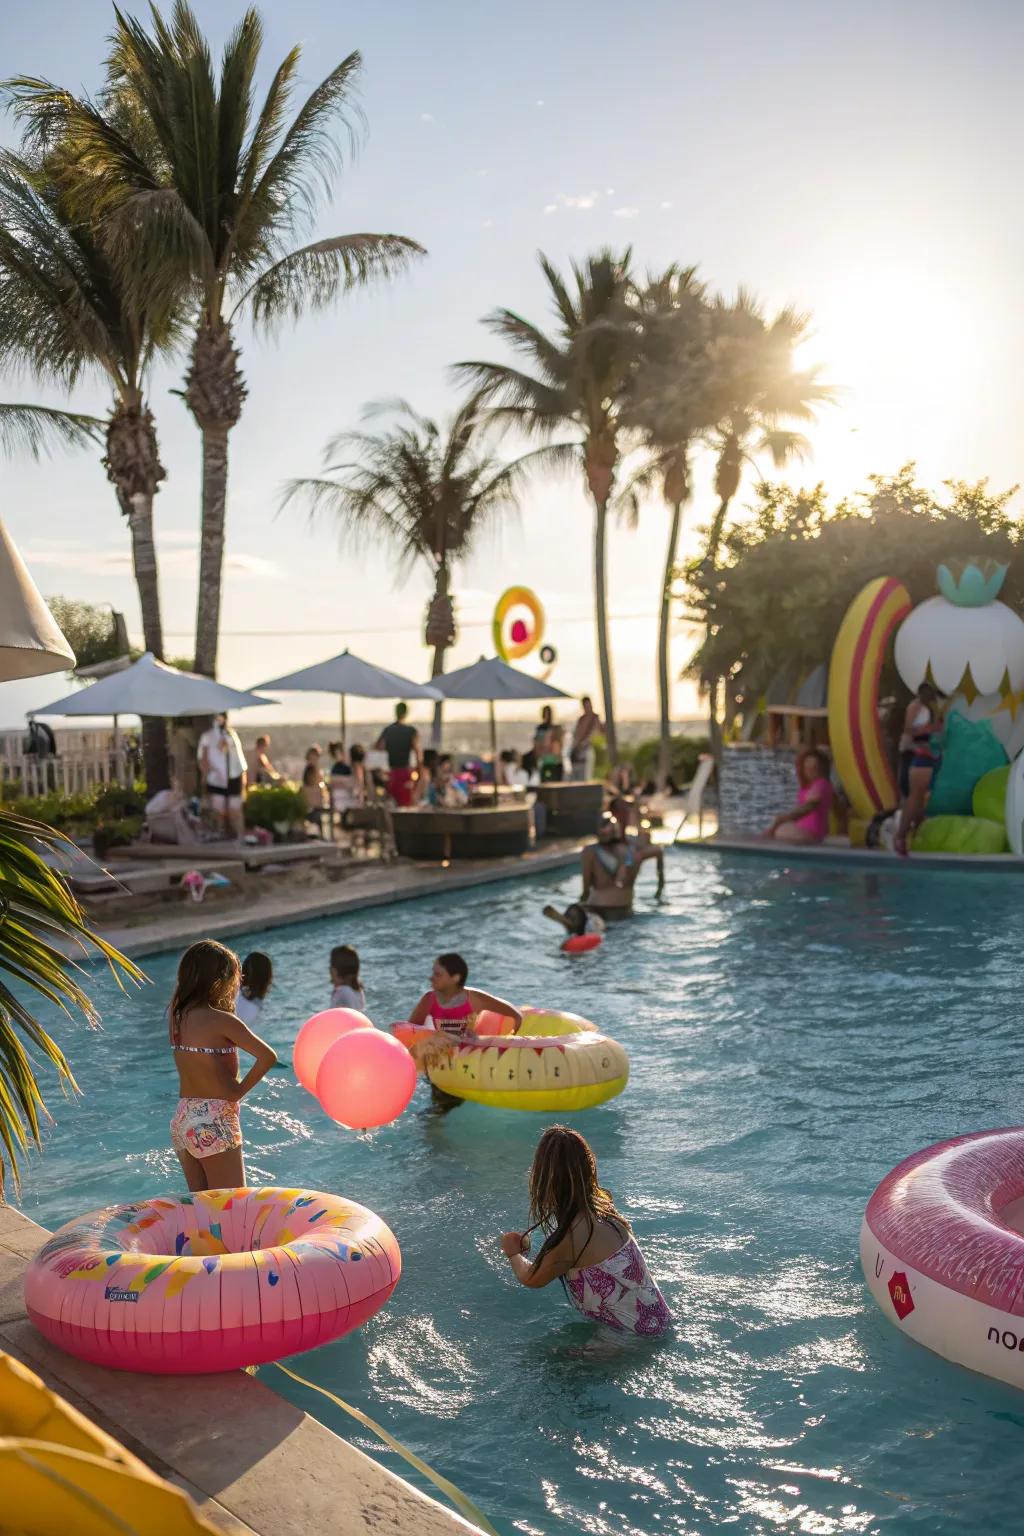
[377, 886]
[857, 858]
[254, 1463]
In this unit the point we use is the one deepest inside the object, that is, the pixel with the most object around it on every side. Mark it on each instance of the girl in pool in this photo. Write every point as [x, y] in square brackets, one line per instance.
[452, 1007]
[257, 980]
[588, 1245]
[206, 1037]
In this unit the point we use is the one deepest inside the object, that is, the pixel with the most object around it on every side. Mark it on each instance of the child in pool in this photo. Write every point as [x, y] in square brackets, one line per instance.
[588, 1245]
[257, 980]
[346, 989]
[451, 1008]
[576, 920]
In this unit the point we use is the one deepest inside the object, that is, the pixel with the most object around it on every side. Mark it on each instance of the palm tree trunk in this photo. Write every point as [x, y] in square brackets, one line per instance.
[715, 534]
[436, 669]
[440, 633]
[665, 739]
[211, 549]
[155, 752]
[601, 609]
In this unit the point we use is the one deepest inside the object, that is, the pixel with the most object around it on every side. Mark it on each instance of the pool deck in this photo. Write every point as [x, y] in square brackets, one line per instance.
[856, 858]
[375, 885]
[253, 1462]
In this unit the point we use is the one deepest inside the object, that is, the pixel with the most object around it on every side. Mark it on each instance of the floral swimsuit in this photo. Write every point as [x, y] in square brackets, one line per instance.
[621, 1292]
[204, 1127]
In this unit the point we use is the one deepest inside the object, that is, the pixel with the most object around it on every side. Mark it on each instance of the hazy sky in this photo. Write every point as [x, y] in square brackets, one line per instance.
[862, 161]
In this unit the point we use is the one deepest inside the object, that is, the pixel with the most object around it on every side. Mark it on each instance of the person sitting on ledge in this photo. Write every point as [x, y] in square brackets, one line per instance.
[807, 821]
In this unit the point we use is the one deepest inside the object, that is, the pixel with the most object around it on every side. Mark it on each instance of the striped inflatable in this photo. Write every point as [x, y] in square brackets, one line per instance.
[854, 728]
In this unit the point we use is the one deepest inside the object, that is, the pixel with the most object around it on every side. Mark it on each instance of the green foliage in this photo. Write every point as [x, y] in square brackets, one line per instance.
[64, 812]
[115, 800]
[683, 754]
[38, 917]
[268, 804]
[791, 571]
[115, 832]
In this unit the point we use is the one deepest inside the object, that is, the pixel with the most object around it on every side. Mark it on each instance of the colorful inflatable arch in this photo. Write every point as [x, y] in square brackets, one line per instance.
[854, 727]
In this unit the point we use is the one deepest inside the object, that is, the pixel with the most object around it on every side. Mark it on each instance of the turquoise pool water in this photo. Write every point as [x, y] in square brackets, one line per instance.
[793, 1034]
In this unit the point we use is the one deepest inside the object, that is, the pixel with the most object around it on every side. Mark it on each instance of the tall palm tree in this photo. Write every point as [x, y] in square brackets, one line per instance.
[667, 406]
[574, 378]
[755, 390]
[65, 311]
[427, 490]
[206, 190]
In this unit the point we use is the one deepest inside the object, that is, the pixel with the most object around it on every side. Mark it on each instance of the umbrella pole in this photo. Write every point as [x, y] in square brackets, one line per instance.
[344, 743]
[494, 746]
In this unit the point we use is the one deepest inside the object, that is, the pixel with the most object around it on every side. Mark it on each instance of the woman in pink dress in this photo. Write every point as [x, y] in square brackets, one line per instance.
[588, 1245]
[807, 821]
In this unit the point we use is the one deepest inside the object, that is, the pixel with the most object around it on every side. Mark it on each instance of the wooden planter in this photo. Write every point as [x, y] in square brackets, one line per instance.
[424, 833]
[574, 809]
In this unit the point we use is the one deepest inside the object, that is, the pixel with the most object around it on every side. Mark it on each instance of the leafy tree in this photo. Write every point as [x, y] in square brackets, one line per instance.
[574, 378]
[428, 491]
[91, 631]
[202, 190]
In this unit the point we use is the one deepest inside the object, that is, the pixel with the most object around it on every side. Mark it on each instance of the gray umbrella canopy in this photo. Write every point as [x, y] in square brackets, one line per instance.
[492, 679]
[348, 674]
[149, 687]
[30, 642]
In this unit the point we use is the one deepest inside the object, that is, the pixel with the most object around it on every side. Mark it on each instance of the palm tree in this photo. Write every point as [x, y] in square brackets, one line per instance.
[667, 405]
[202, 190]
[427, 490]
[39, 918]
[37, 429]
[576, 379]
[64, 312]
[754, 390]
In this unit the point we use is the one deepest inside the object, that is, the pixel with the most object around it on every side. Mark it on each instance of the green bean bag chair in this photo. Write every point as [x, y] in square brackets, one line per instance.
[989, 797]
[970, 749]
[960, 834]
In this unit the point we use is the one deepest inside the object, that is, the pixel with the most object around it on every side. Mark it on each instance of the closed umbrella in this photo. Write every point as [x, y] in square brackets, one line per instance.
[489, 679]
[348, 674]
[30, 642]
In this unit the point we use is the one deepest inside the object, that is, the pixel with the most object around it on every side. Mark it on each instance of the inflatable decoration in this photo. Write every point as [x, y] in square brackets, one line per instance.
[316, 1037]
[211, 1281]
[964, 641]
[548, 655]
[518, 623]
[942, 1250]
[970, 750]
[1015, 806]
[365, 1079]
[558, 1063]
[988, 799]
[960, 834]
[854, 727]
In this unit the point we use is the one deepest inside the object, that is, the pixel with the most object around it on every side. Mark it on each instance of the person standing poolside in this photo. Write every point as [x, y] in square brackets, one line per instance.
[807, 821]
[206, 1037]
[922, 730]
[610, 870]
[581, 752]
[451, 1007]
[401, 742]
[223, 771]
[588, 1245]
[265, 773]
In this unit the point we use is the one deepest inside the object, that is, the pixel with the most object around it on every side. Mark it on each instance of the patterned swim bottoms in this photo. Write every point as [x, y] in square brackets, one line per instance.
[205, 1127]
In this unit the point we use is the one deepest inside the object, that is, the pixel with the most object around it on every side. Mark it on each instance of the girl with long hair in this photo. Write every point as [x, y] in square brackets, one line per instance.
[587, 1244]
[206, 1037]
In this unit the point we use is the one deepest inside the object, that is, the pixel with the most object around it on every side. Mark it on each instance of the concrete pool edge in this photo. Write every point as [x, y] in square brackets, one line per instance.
[252, 1461]
[855, 858]
[382, 886]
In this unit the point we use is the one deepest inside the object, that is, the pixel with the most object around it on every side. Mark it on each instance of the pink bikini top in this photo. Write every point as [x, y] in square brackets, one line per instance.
[454, 1013]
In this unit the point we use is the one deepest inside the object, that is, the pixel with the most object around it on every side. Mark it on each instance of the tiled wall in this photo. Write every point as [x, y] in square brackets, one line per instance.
[755, 784]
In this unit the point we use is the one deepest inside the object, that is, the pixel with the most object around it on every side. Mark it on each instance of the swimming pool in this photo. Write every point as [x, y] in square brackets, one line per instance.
[793, 1034]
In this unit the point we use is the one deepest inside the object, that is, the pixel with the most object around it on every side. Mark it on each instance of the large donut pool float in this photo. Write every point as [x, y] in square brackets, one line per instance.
[942, 1246]
[211, 1281]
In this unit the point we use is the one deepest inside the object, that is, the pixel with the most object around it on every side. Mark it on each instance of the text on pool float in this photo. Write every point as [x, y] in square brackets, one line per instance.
[1008, 1339]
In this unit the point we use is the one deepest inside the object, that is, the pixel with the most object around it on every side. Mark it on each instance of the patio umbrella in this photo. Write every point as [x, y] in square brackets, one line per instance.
[489, 679]
[30, 642]
[348, 674]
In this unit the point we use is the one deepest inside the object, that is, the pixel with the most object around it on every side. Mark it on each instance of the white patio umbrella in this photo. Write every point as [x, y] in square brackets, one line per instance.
[150, 687]
[491, 679]
[348, 674]
[30, 642]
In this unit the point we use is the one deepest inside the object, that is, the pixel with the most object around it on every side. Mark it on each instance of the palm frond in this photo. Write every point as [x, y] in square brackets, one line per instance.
[38, 429]
[312, 277]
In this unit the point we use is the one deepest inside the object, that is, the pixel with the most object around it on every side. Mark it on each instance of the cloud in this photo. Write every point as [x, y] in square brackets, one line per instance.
[115, 560]
[426, 117]
[581, 200]
[629, 212]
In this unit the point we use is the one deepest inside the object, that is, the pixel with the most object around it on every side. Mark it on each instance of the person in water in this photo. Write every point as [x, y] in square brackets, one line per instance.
[206, 1037]
[807, 820]
[346, 988]
[610, 869]
[920, 756]
[451, 1008]
[587, 1244]
[257, 980]
[576, 920]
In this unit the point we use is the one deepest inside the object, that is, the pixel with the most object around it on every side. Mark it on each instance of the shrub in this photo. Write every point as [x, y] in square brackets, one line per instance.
[268, 804]
[115, 800]
[118, 832]
[56, 809]
[682, 762]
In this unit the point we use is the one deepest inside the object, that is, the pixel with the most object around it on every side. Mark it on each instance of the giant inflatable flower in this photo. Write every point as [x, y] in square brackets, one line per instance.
[964, 641]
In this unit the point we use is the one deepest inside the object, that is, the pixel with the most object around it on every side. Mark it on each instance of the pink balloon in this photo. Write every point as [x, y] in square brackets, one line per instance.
[366, 1078]
[317, 1035]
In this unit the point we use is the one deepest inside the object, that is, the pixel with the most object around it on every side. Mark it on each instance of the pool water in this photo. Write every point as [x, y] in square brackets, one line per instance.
[793, 1034]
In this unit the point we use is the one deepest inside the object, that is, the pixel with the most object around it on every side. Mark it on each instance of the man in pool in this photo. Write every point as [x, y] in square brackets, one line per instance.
[610, 869]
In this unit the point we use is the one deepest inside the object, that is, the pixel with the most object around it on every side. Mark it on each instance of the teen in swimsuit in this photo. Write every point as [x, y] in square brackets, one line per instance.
[588, 1246]
[452, 1008]
[921, 729]
[206, 1037]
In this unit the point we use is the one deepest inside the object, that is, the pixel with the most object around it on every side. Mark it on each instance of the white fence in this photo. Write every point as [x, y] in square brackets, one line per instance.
[82, 760]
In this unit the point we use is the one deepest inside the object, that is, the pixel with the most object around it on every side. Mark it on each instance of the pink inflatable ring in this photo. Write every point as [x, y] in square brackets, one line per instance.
[942, 1246]
[211, 1281]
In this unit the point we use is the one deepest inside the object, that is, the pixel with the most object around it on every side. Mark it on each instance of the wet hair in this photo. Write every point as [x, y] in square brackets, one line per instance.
[564, 1187]
[455, 966]
[345, 964]
[208, 977]
[257, 975]
[577, 916]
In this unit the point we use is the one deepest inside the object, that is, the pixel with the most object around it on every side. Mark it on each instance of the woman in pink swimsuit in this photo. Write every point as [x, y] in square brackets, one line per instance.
[451, 1007]
[807, 821]
[588, 1246]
